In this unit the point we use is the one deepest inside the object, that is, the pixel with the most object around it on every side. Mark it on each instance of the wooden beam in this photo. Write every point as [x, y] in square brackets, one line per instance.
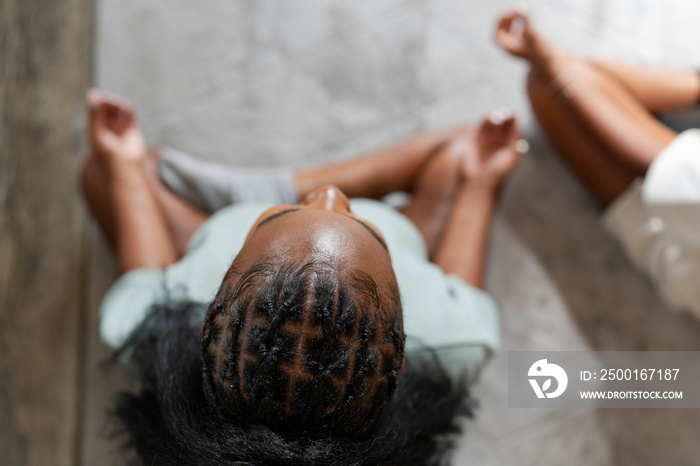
[45, 68]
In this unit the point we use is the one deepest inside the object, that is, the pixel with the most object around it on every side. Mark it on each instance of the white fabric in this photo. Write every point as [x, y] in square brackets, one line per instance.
[674, 175]
[657, 222]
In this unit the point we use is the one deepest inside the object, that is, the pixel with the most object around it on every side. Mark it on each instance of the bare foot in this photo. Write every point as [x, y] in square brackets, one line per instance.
[114, 132]
[494, 154]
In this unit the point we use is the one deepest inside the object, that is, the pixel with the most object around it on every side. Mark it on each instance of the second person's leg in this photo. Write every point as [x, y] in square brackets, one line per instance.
[658, 90]
[598, 125]
[619, 123]
[601, 173]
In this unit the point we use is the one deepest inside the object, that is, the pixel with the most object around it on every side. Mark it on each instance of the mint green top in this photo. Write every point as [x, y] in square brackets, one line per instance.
[443, 316]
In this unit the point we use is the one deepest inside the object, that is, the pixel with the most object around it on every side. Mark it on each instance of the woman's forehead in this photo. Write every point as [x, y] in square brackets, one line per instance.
[320, 234]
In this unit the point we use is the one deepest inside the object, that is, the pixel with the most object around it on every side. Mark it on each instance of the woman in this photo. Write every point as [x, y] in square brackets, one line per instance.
[270, 334]
[600, 115]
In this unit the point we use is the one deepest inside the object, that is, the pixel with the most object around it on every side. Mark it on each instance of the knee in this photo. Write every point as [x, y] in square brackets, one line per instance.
[453, 150]
[542, 101]
[443, 167]
[536, 87]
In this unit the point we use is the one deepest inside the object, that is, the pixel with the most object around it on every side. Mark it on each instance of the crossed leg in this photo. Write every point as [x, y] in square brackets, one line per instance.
[434, 191]
[154, 231]
[657, 90]
[145, 224]
[396, 168]
[602, 173]
[117, 190]
[182, 217]
[376, 174]
[598, 114]
[605, 134]
[425, 166]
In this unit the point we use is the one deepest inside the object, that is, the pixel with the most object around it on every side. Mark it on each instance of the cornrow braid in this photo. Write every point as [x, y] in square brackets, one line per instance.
[304, 348]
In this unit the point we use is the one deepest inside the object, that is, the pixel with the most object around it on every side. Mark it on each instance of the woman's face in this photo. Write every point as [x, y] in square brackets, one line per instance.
[321, 227]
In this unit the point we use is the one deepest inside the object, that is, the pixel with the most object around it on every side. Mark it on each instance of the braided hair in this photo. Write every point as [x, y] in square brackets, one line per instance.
[302, 348]
[295, 364]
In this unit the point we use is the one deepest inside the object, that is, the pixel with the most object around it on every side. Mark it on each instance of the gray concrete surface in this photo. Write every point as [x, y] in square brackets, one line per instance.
[304, 82]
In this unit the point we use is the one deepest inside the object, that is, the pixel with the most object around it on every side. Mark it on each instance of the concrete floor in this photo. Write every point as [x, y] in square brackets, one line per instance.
[304, 82]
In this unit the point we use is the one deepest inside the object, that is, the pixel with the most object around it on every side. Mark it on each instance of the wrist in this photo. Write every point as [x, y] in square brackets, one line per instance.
[125, 173]
[556, 69]
[484, 188]
[545, 59]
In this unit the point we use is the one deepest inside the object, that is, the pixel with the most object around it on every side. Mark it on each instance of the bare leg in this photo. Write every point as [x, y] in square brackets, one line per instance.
[433, 193]
[620, 124]
[379, 173]
[426, 166]
[437, 184]
[601, 173]
[484, 166]
[117, 190]
[182, 217]
[94, 180]
[658, 90]
[591, 104]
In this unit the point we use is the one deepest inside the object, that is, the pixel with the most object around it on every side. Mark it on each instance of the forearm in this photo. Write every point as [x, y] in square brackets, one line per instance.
[462, 250]
[142, 238]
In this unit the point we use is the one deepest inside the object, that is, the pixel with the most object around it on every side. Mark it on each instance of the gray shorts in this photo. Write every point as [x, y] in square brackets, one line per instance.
[212, 186]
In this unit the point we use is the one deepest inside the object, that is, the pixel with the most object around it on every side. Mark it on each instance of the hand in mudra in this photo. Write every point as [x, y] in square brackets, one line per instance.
[515, 34]
[113, 129]
[494, 154]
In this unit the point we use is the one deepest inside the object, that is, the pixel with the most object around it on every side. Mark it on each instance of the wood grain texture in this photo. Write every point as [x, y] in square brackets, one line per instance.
[45, 68]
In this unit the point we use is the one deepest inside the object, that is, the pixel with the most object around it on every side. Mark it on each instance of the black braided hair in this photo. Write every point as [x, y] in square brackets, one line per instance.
[302, 348]
[168, 420]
